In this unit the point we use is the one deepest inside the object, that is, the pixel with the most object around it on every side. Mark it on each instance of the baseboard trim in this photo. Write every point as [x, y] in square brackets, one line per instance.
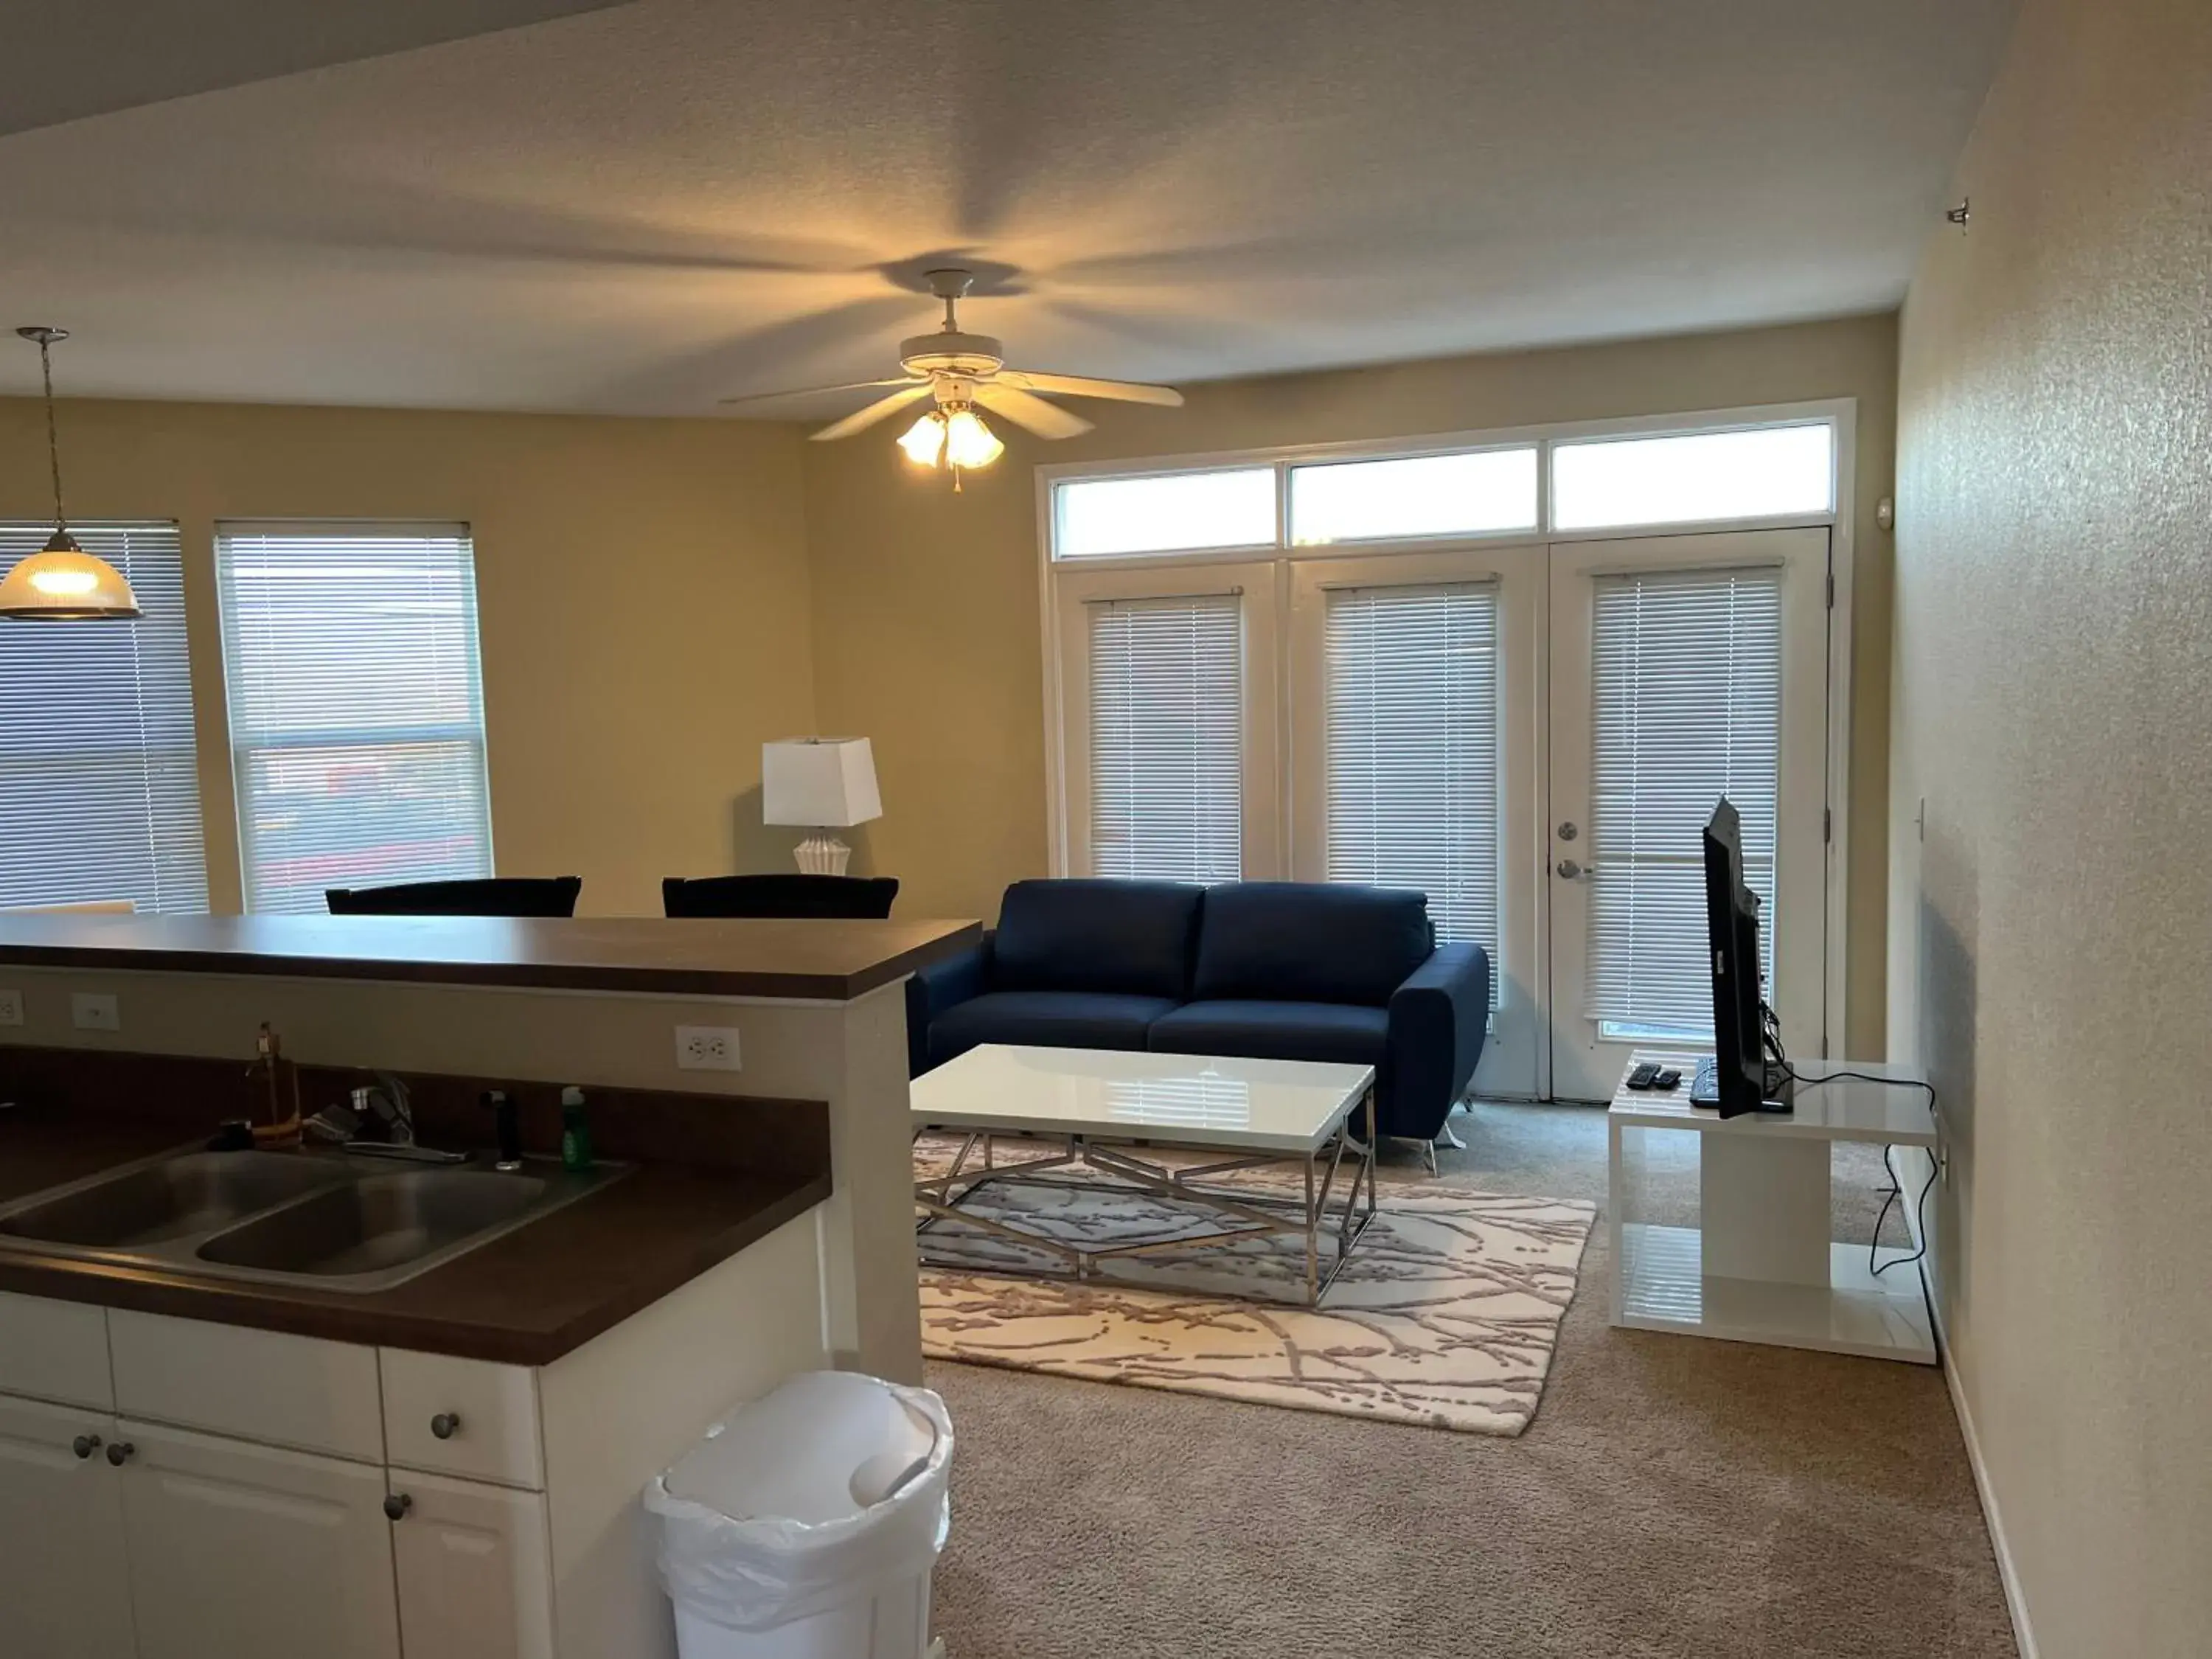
[2016, 1603]
[2023, 1632]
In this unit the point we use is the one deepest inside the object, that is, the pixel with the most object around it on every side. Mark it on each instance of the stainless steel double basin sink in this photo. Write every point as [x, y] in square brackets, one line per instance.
[326, 1219]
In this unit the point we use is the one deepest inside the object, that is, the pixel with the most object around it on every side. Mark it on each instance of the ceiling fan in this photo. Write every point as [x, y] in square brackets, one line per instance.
[960, 371]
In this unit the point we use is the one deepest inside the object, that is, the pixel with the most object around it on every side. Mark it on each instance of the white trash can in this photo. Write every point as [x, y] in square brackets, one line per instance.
[805, 1525]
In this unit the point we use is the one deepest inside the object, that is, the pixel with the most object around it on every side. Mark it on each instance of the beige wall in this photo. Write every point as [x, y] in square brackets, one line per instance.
[2052, 936]
[926, 631]
[641, 592]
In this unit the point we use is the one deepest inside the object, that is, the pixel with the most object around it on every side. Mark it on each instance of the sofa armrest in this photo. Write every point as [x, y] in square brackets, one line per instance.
[1438, 1020]
[943, 984]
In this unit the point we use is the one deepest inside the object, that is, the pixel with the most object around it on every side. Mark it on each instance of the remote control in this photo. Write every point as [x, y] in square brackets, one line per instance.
[1667, 1079]
[1643, 1076]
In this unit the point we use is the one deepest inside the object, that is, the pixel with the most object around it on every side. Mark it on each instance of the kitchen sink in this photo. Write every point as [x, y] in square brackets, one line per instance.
[196, 1193]
[376, 1224]
[324, 1218]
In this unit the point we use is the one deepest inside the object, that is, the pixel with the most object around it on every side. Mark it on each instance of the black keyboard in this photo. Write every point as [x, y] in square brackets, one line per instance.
[1706, 1083]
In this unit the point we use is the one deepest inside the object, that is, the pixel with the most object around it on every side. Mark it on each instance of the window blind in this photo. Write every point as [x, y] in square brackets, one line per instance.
[1687, 707]
[1167, 709]
[356, 706]
[100, 797]
[1411, 749]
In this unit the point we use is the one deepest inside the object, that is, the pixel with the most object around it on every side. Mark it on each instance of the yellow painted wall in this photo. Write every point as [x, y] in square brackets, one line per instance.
[2052, 933]
[642, 596]
[927, 603]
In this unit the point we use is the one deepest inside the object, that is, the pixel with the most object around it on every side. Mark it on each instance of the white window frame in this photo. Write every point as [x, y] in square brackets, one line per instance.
[1055, 576]
[240, 793]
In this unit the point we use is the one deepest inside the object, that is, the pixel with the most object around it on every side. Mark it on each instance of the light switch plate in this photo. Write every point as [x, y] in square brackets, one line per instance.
[11, 1007]
[707, 1048]
[94, 1010]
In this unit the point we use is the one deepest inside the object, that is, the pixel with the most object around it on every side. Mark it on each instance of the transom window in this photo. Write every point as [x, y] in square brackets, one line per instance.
[1576, 483]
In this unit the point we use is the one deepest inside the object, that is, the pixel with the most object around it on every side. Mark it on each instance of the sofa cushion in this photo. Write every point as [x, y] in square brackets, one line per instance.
[1291, 941]
[1274, 1030]
[1129, 936]
[1052, 1019]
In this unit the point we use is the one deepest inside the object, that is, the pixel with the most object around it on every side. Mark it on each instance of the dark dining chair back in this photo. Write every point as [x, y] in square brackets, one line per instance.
[866, 898]
[495, 895]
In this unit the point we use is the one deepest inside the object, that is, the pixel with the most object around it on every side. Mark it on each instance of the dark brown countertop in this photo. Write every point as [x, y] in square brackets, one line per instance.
[834, 961]
[525, 1299]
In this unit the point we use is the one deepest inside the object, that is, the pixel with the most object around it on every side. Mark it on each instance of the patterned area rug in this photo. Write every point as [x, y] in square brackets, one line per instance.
[1446, 1314]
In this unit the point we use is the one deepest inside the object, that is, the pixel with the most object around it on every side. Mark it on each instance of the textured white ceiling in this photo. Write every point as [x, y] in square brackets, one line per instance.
[641, 209]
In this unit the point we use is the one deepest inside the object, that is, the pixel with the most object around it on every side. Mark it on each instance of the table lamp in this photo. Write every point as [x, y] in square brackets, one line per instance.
[820, 784]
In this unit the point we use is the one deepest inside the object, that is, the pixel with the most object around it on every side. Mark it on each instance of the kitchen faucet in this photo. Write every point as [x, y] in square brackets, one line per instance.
[386, 1101]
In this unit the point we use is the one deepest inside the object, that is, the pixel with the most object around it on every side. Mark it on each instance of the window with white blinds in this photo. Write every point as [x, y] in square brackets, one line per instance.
[1412, 748]
[356, 706]
[99, 796]
[1687, 707]
[1167, 713]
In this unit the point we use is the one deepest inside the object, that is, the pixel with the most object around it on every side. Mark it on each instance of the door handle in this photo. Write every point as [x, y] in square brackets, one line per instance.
[121, 1452]
[1570, 870]
[85, 1444]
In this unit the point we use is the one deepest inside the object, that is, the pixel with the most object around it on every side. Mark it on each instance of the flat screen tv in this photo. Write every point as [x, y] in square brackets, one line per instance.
[1746, 1080]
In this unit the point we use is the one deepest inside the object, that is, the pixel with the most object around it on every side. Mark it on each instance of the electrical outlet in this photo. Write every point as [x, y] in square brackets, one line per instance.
[707, 1048]
[94, 1010]
[11, 1007]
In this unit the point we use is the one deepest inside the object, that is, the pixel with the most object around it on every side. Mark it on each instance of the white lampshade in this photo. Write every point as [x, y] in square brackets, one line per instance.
[819, 782]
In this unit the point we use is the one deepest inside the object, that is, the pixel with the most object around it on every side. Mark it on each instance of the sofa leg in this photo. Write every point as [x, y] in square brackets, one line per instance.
[1448, 1136]
[1429, 1155]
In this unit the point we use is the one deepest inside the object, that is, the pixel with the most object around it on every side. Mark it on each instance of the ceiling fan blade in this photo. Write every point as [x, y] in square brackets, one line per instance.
[817, 390]
[860, 419]
[1041, 417]
[1080, 386]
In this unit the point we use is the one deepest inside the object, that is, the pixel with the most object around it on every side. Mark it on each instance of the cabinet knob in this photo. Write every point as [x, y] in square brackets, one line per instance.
[397, 1505]
[121, 1452]
[85, 1444]
[446, 1424]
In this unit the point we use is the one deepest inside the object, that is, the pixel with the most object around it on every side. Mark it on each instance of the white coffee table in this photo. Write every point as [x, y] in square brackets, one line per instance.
[1102, 1106]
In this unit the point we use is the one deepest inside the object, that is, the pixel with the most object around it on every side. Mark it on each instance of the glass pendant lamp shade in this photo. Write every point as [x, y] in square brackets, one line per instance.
[924, 442]
[969, 442]
[62, 582]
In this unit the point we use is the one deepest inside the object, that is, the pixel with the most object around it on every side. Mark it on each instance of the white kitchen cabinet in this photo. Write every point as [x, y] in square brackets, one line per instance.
[476, 1581]
[254, 1552]
[275, 1496]
[64, 1590]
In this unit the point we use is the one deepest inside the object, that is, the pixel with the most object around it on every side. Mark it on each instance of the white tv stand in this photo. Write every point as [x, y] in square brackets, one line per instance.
[1759, 1266]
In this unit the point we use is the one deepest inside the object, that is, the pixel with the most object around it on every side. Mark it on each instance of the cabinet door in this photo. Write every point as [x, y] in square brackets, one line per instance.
[474, 1581]
[255, 1553]
[63, 1573]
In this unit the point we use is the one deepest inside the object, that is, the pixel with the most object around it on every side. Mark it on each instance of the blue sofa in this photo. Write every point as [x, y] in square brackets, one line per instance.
[1278, 970]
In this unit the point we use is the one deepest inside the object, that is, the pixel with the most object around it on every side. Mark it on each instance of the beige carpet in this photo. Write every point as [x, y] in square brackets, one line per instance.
[1445, 1315]
[1675, 1499]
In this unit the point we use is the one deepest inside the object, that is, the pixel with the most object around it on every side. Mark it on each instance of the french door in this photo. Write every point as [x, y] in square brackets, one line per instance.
[1416, 686]
[1683, 668]
[1533, 735]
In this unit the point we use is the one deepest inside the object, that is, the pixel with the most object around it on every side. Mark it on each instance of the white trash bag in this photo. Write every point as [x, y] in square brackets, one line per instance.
[828, 1494]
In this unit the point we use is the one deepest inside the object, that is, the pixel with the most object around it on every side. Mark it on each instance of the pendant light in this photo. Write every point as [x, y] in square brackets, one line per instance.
[62, 582]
